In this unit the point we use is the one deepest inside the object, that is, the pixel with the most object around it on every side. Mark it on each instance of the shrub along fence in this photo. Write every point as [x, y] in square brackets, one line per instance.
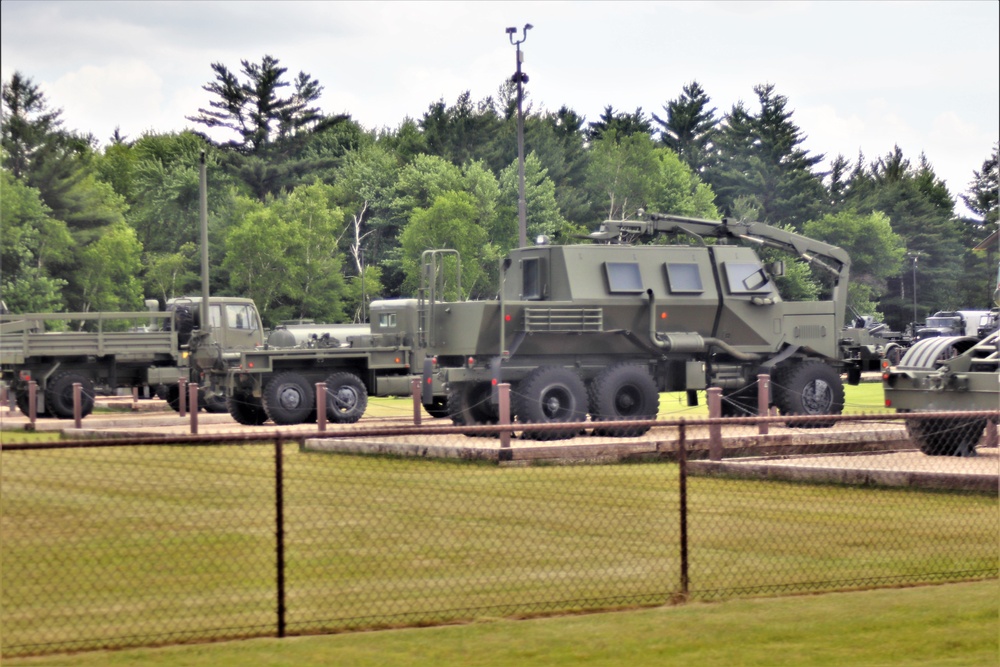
[113, 543]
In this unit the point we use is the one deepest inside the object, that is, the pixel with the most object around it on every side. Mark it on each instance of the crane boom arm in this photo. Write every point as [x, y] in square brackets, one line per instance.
[824, 255]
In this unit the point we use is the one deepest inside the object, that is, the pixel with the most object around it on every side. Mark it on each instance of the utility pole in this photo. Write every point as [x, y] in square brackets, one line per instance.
[520, 78]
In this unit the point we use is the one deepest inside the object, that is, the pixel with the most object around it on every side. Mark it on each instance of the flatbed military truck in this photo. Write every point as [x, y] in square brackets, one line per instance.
[601, 329]
[115, 350]
[277, 380]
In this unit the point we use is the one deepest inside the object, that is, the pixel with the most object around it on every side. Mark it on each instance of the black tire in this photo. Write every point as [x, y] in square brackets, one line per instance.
[893, 354]
[946, 437]
[21, 398]
[551, 395]
[469, 404]
[59, 395]
[346, 398]
[173, 397]
[288, 399]
[438, 408]
[246, 409]
[741, 402]
[213, 403]
[810, 387]
[623, 392]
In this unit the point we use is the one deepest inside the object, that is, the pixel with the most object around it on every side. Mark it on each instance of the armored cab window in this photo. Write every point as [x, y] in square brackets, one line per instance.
[387, 320]
[531, 279]
[747, 278]
[623, 277]
[684, 278]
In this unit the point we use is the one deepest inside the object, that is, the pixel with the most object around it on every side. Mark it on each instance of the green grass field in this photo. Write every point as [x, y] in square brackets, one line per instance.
[129, 546]
[954, 625]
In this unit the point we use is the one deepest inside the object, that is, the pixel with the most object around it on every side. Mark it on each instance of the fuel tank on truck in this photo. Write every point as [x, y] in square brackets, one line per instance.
[315, 335]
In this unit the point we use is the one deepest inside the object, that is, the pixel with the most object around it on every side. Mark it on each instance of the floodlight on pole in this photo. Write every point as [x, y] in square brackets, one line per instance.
[520, 78]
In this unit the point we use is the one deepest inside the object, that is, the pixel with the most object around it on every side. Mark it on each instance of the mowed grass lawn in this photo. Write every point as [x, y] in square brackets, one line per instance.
[126, 547]
[129, 546]
[954, 625]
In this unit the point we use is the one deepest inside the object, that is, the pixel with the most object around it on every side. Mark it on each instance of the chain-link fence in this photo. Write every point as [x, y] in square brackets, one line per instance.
[133, 538]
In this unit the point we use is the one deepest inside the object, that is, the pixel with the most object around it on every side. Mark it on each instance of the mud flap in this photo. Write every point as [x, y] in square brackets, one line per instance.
[427, 383]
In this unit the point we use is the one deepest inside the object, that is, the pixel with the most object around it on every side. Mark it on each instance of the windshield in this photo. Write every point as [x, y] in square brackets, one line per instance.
[941, 321]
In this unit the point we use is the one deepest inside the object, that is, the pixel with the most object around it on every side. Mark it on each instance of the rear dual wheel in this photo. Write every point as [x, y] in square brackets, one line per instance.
[346, 398]
[623, 392]
[288, 399]
[59, 395]
[946, 437]
[246, 409]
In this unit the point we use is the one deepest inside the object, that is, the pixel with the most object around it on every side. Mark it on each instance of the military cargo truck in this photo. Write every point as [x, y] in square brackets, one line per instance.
[277, 380]
[115, 350]
[601, 329]
[954, 323]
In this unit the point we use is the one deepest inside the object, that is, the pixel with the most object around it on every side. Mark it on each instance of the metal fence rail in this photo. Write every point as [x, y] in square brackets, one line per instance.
[111, 543]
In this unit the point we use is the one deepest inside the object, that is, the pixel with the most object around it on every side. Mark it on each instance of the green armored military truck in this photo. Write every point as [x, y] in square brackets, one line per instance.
[601, 329]
[150, 350]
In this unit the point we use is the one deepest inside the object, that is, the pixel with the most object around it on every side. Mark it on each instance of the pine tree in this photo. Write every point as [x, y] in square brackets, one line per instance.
[760, 156]
[690, 126]
[623, 124]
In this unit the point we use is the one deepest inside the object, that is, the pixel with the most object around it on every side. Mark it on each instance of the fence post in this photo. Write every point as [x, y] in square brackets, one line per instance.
[11, 400]
[321, 406]
[682, 463]
[181, 397]
[714, 395]
[193, 402]
[135, 399]
[77, 407]
[32, 404]
[415, 391]
[279, 534]
[3, 393]
[991, 433]
[763, 400]
[504, 408]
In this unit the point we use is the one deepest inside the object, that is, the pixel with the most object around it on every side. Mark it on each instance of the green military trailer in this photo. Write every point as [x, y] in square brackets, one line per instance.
[601, 329]
[953, 373]
[149, 350]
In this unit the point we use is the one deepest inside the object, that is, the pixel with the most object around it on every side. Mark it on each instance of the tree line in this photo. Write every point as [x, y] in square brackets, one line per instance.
[313, 215]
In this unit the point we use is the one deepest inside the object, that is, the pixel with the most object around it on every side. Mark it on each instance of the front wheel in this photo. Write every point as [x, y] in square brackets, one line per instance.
[809, 388]
[469, 404]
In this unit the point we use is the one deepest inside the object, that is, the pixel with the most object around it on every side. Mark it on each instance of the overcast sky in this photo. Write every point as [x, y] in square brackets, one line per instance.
[859, 76]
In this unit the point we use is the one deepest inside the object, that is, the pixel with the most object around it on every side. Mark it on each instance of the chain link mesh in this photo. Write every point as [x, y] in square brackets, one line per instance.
[146, 534]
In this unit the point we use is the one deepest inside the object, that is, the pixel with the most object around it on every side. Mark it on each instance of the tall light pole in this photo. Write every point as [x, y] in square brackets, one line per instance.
[915, 256]
[520, 78]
